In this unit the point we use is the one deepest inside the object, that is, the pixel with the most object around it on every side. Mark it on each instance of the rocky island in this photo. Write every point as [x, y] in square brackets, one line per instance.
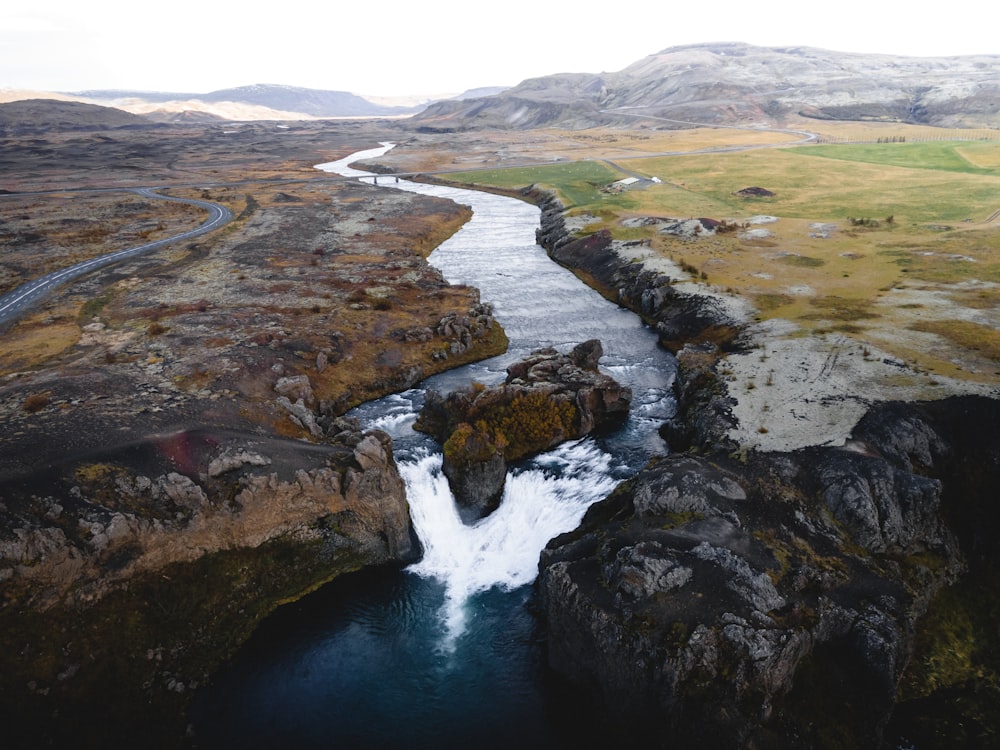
[545, 400]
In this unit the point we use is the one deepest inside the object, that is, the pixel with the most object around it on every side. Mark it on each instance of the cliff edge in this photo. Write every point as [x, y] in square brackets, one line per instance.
[767, 587]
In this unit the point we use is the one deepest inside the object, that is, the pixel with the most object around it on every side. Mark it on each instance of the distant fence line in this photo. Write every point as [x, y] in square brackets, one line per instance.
[956, 134]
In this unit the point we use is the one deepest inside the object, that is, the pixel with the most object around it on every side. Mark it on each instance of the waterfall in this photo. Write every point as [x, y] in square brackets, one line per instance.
[540, 502]
[447, 654]
[544, 305]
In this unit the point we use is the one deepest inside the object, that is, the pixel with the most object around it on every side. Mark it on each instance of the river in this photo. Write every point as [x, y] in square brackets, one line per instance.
[448, 653]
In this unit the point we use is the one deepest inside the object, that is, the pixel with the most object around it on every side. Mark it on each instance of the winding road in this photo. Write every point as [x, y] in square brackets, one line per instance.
[15, 303]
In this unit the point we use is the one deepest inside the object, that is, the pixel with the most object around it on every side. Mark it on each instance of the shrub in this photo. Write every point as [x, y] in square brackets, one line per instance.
[36, 402]
[516, 426]
[468, 443]
[532, 422]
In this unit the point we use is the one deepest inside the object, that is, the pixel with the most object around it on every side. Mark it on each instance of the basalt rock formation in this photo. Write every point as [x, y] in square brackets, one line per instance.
[695, 328]
[89, 527]
[741, 599]
[679, 318]
[749, 604]
[546, 399]
[128, 578]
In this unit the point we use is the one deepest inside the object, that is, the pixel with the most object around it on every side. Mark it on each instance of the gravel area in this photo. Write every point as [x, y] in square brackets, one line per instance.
[796, 392]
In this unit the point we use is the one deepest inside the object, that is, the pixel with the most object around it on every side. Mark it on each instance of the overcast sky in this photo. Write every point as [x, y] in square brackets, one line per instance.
[391, 47]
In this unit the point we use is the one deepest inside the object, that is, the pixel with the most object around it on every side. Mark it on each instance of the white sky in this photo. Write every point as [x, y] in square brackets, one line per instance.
[396, 47]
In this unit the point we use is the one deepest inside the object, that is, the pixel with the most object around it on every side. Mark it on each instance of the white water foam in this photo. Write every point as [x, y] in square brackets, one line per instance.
[395, 415]
[502, 549]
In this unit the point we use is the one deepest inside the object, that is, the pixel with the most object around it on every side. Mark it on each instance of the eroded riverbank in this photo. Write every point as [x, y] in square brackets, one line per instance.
[175, 465]
[757, 578]
[439, 626]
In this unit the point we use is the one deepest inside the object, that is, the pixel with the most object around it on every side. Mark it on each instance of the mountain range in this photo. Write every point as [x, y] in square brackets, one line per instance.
[281, 100]
[255, 102]
[734, 83]
[725, 83]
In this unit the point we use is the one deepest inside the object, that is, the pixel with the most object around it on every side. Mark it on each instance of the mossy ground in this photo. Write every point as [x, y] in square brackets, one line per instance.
[517, 426]
[951, 689]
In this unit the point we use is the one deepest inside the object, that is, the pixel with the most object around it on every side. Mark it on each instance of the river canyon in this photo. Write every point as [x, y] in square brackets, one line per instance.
[448, 651]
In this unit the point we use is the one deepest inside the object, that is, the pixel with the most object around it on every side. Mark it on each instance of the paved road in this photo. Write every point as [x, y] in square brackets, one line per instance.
[15, 303]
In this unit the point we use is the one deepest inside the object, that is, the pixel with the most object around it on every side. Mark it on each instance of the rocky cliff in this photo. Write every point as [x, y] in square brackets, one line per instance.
[743, 599]
[129, 577]
[89, 527]
[175, 464]
[714, 600]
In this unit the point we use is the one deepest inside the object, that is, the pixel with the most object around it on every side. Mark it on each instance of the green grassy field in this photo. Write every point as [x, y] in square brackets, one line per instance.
[916, 182]
[577, 182]
[968, 157]
[925, 204]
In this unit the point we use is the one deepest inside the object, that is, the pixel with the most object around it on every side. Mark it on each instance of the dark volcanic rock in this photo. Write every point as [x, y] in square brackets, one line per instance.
[145, 568]
[679, 318]
[754, 192]
[547, 398]
[736, 599]
[694, 327]
[477, 484]
[175, 498]
[708, 599]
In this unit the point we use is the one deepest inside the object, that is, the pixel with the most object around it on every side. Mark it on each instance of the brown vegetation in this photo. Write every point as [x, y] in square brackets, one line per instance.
[524, 425]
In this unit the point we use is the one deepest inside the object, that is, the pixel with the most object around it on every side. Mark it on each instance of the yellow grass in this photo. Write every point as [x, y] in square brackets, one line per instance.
[934, 241]
[980, 156]
[28, 346]
[669, 141]
[818, 189]
[967, 335]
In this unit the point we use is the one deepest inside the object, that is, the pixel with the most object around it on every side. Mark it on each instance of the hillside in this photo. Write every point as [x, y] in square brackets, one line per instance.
[281, 101]
[243, 103]
[735, 83]
[44, 115]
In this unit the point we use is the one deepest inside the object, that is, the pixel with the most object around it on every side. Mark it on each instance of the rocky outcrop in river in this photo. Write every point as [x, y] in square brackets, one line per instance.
[546, 399]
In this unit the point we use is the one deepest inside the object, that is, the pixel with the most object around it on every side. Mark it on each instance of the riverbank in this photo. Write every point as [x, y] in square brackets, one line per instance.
[783, 390]
[788, 572]
[176, 465]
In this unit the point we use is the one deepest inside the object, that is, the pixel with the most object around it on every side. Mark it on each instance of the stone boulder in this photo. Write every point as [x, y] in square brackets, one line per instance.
[546, 399]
